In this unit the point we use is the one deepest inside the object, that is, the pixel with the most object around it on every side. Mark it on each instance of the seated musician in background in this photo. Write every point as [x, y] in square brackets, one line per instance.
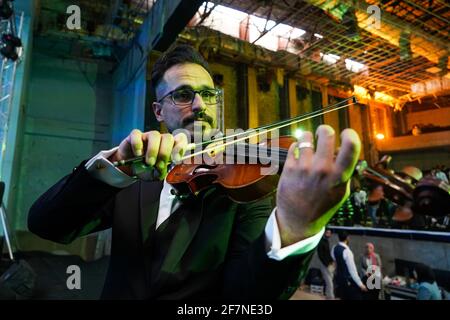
[404, 216]
[165, 247]
[359, 201]
[376, 204]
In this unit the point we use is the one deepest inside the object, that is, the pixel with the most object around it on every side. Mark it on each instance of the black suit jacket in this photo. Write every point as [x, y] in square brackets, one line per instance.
[323, 251]
[217, 251]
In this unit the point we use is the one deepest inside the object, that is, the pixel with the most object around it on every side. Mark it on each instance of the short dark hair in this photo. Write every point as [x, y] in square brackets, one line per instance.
[342, 235]
[372, 186]
[424, 273]
[178, 54]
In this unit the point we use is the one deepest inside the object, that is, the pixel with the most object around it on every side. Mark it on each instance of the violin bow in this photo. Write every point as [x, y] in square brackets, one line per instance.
[258, 131]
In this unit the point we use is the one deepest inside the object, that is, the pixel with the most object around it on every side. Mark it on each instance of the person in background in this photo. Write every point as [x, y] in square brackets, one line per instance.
[327, 265]
[404, 216]
[428, 288]
[348, 282]
[411, 174]
[376, 205]
[359, 199]
[416, 130]
[370, 264]
[440, 174]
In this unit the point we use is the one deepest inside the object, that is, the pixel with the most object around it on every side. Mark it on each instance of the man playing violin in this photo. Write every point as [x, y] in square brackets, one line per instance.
[205, 246]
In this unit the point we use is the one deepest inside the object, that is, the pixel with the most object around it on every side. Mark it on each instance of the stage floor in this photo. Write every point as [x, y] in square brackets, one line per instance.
[51, 275]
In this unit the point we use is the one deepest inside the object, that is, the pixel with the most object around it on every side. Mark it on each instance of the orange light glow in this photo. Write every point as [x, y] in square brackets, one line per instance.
[379, 136]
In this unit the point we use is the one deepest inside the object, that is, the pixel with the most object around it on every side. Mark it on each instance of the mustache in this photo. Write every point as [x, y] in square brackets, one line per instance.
[197, 117]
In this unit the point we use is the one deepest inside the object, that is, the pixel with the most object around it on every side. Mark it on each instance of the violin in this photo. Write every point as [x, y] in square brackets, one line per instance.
[395, 187]
[241, 182]
[246, 173]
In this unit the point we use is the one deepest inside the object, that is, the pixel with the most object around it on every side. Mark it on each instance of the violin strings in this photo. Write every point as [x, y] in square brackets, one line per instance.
[277, 125]
[286, 121]
[375, 173]
[323, 111]
[282, 153]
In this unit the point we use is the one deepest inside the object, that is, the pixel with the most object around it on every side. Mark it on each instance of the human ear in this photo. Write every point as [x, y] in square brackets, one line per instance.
[157, 110]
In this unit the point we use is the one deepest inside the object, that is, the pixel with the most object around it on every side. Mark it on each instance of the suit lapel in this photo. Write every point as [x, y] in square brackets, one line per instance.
[190, 219]
[149, 207]
[138, 208]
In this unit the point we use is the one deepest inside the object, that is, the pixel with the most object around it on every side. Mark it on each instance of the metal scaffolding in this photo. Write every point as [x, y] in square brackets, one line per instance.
[417, 51]
[7, 76]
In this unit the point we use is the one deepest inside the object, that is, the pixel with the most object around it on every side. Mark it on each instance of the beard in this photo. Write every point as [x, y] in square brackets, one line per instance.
[189, 120]
[199, 128]
[195, 126]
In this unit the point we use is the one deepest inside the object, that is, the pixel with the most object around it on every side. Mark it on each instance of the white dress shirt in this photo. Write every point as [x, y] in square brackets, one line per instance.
[102, 169]
[360, 198]
[350, 262]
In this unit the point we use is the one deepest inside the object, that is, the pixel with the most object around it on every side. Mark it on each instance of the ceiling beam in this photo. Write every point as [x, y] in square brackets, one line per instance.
[163, 23]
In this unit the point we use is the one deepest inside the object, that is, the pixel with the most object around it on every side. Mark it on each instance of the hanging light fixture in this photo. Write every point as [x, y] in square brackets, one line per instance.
[350, 22]
[443, 63]
[6, 10]
[9, 41]
[10, 45]
[405, 45]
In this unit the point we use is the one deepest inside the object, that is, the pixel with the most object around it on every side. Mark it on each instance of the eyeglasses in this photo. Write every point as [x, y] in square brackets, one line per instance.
[183, 97]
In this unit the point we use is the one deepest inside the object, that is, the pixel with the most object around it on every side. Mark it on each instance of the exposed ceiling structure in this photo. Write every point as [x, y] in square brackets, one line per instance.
[107, 26]
[108, 19]
[405, 54]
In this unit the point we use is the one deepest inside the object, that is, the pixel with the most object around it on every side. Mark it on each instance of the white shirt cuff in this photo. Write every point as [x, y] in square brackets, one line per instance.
[274, 240]
[102, 169]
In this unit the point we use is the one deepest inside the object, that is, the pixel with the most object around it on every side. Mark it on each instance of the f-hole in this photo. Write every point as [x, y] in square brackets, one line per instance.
[203, 168]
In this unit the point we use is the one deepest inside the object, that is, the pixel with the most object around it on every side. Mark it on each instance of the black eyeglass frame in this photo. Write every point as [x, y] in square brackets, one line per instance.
[217, 91]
